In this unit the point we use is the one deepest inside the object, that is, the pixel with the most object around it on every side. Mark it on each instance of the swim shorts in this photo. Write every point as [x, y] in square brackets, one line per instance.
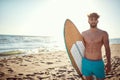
[93, 67]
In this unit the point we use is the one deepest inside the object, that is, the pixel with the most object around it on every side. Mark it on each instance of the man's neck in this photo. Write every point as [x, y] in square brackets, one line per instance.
[93, 29]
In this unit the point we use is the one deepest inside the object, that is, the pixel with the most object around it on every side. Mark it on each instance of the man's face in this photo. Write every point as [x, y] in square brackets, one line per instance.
[93, 22]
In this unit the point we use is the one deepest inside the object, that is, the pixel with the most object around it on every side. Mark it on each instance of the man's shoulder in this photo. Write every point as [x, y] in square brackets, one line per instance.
[103, 32]
[85, 31]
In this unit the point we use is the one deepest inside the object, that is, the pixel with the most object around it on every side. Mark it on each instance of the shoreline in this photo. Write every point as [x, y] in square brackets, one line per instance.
[54, 65]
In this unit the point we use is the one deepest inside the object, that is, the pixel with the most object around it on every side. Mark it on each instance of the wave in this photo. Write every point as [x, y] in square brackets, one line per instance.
[13, 42]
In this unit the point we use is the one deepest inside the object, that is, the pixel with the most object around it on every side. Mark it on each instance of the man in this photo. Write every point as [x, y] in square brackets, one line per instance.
[94, 38]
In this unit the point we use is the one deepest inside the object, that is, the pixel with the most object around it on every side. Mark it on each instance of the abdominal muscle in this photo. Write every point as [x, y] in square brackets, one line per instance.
[93, 52]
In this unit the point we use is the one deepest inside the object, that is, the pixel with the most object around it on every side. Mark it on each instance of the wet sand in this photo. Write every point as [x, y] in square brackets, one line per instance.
[50, 66]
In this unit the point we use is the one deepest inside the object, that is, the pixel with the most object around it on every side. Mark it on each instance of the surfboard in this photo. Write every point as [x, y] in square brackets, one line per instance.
[74, 45]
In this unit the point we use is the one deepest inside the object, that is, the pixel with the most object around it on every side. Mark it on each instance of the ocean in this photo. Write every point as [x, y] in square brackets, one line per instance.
[34, 44]
[30, 44]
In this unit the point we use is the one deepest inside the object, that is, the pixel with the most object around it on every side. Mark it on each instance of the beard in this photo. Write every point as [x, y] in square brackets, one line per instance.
[93, 25]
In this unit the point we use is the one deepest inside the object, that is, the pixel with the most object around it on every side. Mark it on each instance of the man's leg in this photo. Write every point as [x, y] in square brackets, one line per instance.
[92, 78]
[100, 79]
[99, 71]
[89, 77]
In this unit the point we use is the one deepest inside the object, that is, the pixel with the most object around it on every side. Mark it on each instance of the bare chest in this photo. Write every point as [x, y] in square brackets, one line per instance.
[93, 38]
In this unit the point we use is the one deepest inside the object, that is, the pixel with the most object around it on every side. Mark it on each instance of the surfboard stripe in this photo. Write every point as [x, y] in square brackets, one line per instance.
[76, 55]
[78, 48]
[81, 47]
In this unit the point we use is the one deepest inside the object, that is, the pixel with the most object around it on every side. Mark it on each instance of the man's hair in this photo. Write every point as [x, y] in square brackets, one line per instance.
[93, 15]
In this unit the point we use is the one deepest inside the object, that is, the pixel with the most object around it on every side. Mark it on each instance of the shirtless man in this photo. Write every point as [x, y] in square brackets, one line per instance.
[94, 38]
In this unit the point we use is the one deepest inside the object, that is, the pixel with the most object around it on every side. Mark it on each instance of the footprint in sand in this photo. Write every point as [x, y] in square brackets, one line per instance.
[2, 74]
[49, 62]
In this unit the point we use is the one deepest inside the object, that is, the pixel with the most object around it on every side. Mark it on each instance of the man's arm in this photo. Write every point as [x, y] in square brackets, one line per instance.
[107, 50]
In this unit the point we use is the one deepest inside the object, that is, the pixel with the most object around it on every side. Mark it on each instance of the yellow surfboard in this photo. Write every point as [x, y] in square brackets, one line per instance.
[74, 45]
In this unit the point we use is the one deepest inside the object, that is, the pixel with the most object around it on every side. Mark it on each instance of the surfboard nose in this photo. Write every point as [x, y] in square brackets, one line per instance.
[67, 20]
[68, 23]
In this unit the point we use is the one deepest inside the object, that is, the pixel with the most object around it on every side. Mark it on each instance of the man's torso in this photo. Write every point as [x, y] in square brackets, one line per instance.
[93, 43]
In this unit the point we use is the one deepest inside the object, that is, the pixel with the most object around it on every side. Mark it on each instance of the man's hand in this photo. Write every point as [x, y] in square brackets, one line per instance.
[108, 68]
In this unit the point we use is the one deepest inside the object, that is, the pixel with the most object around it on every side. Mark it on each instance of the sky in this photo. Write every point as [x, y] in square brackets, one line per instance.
[47, 17]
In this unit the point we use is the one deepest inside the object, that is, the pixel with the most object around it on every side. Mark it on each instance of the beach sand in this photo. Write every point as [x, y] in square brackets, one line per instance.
[50, 66]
